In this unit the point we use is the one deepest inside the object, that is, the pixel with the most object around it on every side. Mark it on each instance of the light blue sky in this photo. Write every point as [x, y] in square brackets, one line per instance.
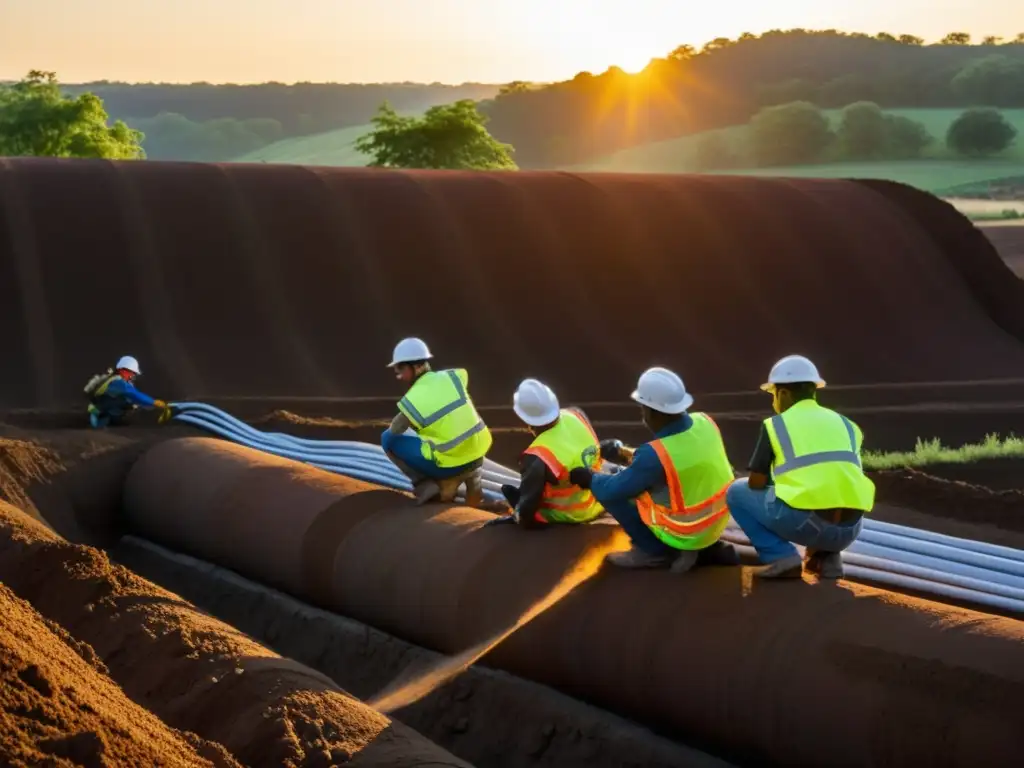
[424, 40]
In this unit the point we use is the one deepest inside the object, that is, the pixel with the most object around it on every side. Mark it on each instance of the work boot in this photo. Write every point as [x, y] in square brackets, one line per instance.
[826, 565]
[685, 561]
[637, 558]
[475, 489]
[719, 553]
[425, 490]
[450, 485]
[791, 567]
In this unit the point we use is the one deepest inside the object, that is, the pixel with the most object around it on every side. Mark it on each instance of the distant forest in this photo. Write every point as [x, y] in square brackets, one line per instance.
[728, 81]
[201, 121]
[724, 83]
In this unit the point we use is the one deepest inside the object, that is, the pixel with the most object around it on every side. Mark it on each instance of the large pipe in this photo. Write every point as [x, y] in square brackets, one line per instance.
[787, 674]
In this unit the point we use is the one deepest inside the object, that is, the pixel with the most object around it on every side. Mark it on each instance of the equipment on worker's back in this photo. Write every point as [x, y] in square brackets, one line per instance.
[96, 382]
[535, 403]
[793, 369]
[409, 350]
[663, 391]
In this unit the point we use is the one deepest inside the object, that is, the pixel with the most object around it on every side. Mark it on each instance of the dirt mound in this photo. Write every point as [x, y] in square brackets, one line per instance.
[59, 708]
[370, 555]
[194, 672]
[261, 280]
[1009, 242]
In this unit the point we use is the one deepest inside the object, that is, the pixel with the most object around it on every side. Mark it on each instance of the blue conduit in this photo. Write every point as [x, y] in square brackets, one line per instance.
[888, 554]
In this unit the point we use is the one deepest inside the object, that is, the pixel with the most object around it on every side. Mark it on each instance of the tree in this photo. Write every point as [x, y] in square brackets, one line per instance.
[956, 38]
[683, 52]
[452, 136]
[36, 119]
[906, 138]
[789, 134]
[516, 86]
[992, 81]
[980, 132]
[863, 132]
[885, 37]
[991, 40]
[911, 40]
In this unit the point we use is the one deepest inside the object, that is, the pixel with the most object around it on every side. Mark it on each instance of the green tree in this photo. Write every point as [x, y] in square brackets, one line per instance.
[867, 133]
[789, 134]
[906, 138]
[991, 40]
[451, 136]
[956, 38]
[980, 132]
[992, 81]
[911, 40]
[36, 119]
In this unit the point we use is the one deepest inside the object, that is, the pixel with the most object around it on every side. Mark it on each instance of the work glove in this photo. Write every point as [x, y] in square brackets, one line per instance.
[611, 450]
[160, 405]
[581, 476]
[166, 414]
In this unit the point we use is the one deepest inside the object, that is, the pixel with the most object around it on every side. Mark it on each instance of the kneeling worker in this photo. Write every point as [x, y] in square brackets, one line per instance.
[451, 439]
[564, 441]
[671, 497]
[820, 492]
[112, 395]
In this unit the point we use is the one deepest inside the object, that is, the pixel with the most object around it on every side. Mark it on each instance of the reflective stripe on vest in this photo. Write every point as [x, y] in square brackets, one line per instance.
[697, 475]
[439, 444]
[562, 448]
[817, 462]
[790, 461]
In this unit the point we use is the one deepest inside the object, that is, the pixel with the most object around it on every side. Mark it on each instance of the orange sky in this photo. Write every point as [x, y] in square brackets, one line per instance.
[422, 40]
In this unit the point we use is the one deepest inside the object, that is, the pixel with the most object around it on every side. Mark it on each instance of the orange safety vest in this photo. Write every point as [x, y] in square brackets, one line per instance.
[569, 444]
[691, 511]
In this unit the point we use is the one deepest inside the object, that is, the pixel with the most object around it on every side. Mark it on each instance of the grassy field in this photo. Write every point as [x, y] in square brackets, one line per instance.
[331, 148]
[936, 173]
[934, 452]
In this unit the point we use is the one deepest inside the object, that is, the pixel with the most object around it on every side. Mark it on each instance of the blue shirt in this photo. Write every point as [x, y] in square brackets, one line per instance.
[645, 473]
[125, 391]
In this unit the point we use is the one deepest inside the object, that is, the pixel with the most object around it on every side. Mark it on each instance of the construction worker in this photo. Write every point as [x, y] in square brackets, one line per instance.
[564, 441]
[112, 395]
[450, 439]
[820, 492]
[671, 497]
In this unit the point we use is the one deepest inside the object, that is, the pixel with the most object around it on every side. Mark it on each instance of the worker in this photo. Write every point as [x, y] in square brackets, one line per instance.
[671, 497]
[112, 395]
[437, 438]
[564, 440]
[807, 485]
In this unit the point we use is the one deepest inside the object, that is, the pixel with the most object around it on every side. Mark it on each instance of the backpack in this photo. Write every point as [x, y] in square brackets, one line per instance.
[96, 381]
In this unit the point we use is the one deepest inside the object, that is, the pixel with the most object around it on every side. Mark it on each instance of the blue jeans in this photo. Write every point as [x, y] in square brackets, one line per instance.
[408, 449]
[627, 516]
[773, 526]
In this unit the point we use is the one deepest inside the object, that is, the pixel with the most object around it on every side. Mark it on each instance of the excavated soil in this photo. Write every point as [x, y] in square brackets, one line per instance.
[1008, 240]
[59, 707]
[194, 672]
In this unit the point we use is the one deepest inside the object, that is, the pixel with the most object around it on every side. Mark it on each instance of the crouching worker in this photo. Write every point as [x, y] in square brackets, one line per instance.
[564, 441]
[820, 492]
[112, 395]
[450, 439]
[671, 497]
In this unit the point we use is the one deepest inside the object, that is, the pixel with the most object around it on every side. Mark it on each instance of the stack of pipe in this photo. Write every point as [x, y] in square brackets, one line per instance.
[897, 556]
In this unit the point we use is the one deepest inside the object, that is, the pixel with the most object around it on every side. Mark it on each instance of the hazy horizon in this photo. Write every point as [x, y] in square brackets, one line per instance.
[446, 41]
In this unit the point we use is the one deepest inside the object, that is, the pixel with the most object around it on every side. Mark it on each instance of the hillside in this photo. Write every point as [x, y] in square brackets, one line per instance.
[934, 174]
[329, 148]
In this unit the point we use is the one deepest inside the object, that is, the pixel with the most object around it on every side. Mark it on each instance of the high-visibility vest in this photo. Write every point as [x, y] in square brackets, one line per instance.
[690, 512]
[569, 444]
[440, 410]
[817, 459]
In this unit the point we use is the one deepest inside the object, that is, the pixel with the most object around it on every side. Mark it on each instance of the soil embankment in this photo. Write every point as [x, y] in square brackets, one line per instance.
[194, 672]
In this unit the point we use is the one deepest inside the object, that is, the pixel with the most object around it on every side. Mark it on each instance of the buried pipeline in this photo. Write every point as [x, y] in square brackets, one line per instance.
[784, 674]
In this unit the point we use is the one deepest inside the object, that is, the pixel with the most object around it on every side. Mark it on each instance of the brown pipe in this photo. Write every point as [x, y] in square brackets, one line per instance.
[787, 674]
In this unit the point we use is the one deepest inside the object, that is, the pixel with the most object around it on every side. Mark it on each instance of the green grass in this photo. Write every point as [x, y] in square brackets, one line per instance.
[331, 148]
[934, 452]
[935, 173]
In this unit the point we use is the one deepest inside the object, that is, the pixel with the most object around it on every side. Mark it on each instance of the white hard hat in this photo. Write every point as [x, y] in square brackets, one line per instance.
[409, 351]
[128, 363]
[535, 403]
[793, 369]
[662, 390]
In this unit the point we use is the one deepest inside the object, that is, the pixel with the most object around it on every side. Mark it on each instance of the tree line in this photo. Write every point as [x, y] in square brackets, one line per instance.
[728, 81]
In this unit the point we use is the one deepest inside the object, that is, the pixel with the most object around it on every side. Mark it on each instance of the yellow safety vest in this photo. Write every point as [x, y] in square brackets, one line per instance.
[569, 444]
[817, 459]
[440, 410]
[691, 511]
